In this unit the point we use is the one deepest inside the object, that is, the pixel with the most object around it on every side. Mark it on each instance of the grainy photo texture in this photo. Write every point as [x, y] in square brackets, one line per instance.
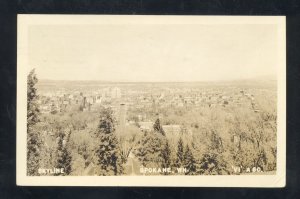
[180, 96]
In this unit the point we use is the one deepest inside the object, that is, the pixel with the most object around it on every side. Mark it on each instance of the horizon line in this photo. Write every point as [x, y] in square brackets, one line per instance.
[126, 81]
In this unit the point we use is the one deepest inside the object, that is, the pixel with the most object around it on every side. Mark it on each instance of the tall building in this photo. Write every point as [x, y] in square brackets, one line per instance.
[122, 115]
[116, 92]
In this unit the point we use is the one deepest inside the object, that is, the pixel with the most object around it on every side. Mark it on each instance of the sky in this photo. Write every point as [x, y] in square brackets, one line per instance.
[153, 53]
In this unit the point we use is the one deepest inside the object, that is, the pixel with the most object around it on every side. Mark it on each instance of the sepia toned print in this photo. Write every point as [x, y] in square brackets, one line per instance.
[181, 100]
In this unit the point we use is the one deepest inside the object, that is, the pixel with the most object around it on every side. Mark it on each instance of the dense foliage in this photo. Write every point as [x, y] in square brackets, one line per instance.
[33, 137]
[211, 140]
[108, 152]
[64, 157]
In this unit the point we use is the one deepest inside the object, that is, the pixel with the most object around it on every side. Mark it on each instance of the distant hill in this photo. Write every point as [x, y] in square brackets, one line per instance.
[262, 82]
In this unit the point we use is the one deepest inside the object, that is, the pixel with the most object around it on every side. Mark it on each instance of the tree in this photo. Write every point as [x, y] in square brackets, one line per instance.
[64, 157]
[127, 139]
[53, 109]
[166, 155]
[189, 162]
[212, 161]
[33, 138]
[32, 97]
[149, 149]
[211, 165]
[180, 154]
[158, 128]
[108, 152]
[141, 150]
[256, 143]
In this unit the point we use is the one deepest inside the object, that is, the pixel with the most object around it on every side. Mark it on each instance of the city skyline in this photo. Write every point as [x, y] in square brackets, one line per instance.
[161, 96]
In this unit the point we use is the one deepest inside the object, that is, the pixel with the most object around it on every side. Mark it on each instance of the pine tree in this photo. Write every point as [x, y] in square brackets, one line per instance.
[64, 157]
[189, 162]
[158, 128]
[108, 152]
[141, 151]
[166, 156]
[180, 154]
[212, 161]
[33, 137]
[150, 150]
[32, 97]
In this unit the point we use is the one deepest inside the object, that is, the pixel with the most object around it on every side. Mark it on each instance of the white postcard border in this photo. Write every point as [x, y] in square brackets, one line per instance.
[277, 180]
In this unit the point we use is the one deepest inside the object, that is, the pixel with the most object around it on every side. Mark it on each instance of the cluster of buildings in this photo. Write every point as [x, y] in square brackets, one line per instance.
[140, 98]
[171, 130]
[168, 98]
[61, 100]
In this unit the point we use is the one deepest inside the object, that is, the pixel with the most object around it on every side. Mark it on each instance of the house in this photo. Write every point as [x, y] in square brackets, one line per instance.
[90, 100]
[172, 130]
[98, 100]
[146, 126]
[45, 109]
[116, 92]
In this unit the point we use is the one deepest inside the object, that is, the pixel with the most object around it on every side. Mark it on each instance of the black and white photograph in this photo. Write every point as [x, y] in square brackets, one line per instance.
[151, 100]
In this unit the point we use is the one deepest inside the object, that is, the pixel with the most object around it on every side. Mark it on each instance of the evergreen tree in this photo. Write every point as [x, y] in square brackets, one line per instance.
[189, 162]
[180, 154]
[141, 151]
[212, 161]
[33, 137]
[166, 154]
[158, 128]
[150, 150]
[108, 152]
[32, 97]
[64, 157]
